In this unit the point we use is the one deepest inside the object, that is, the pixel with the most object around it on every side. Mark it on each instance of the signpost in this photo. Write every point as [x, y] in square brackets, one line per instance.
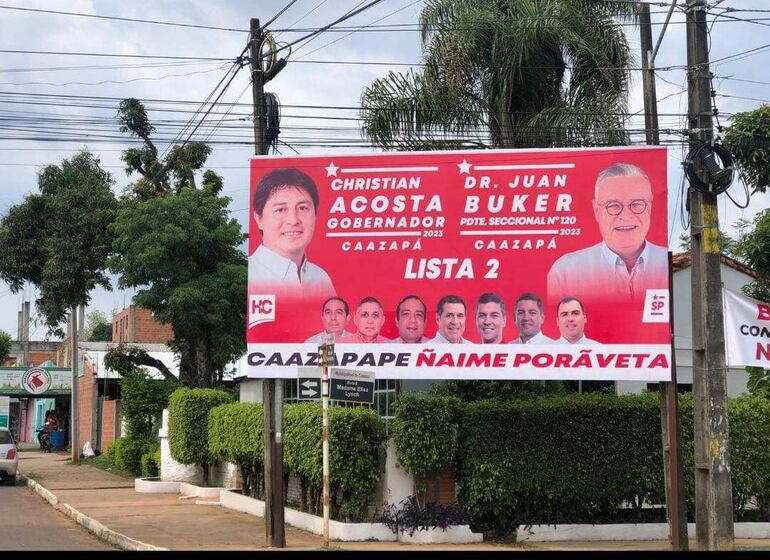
[352, 386]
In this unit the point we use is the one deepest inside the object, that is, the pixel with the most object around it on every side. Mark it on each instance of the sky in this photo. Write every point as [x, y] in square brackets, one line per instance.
[43, 121]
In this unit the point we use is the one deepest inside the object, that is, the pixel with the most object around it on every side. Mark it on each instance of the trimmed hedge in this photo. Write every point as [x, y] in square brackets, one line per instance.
[425, 431]
[126, 453]
[188, 425]
[356, 444]
[567, 459]
[572, 458]
[236, 436]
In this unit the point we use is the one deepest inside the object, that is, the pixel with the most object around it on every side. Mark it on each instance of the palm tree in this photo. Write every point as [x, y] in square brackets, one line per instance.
[510, 74]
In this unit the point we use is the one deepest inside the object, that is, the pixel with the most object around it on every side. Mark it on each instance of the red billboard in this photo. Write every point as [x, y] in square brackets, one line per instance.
[499, 264]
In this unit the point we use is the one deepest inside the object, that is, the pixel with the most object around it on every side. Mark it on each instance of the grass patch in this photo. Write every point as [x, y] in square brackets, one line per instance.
[103, 462]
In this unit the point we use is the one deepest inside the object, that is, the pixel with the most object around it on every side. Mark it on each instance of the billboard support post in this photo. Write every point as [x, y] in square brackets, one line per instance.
[669, 415]
[326, 350]
[272, 389]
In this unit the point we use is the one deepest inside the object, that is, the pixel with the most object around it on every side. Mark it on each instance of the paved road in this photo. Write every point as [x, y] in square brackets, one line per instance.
[29, 523]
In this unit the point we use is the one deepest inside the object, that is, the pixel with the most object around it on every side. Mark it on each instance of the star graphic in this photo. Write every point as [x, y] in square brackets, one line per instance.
[465, 167]
[331, 171]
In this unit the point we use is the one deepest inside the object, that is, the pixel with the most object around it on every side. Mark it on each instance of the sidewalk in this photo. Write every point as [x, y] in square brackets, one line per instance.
[108, 504]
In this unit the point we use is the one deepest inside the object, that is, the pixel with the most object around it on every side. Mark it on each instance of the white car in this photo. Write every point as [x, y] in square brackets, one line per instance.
[9, 457]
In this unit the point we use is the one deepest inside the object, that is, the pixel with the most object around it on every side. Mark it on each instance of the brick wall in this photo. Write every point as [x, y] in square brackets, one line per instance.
[86, 407]
[109, 421]
[137, 324]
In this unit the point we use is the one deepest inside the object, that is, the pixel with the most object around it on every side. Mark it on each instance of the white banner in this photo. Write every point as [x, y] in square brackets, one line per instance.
[747, 330]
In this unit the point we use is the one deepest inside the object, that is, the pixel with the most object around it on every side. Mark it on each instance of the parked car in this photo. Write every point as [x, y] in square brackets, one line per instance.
[9, 457]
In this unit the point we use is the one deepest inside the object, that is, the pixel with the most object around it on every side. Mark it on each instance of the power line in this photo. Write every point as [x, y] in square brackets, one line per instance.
[131, 20]
[280, 12]
[115, 55]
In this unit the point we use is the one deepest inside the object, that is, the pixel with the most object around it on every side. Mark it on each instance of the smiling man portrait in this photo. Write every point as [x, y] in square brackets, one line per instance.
[624, 265]
[285, 207]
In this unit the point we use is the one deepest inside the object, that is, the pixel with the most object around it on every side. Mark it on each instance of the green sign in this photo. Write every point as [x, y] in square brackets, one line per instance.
[35, 381]
[5, 408]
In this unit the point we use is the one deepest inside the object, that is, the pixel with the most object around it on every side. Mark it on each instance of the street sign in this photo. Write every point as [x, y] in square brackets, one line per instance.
[308, 388]
[351, 386]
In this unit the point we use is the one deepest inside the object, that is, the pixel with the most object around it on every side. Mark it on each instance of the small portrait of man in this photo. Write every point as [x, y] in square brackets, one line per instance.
[529, 316]
[490, 318]
[571, 319]
[368, 319]
[624, 265]
[450, 317]
[335, 316]
[285, 205]
[410, 320]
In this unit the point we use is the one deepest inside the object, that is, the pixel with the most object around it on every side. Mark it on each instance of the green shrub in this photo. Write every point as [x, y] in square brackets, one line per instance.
[112, 449]
[356, 442]
[236, 436]
[188, 425]
[151, 464]
[425, 431]
[572, 458]
[142, 402]
[127, 453]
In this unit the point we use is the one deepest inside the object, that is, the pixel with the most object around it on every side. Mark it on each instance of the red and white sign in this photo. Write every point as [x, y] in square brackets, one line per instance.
[747, 330]
[36, 380]
[527, 226]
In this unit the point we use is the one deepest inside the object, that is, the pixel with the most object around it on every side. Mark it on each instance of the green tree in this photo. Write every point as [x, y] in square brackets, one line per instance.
[5, 345]
[753, 247]
[176, 243]
[142, 400]
[181, 252]
[161, 176]
[98, 327]
[748, 138]
[59, 239]
[508, 73]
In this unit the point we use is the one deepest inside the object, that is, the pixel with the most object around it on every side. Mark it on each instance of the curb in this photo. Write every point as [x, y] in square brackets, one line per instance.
[92, 525]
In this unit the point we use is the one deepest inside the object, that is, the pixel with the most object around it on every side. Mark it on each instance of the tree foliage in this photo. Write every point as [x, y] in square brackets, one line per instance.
[59, 239]
[181, 253]
[508, 73]
[753, 247]
[161, 176]
[143, 399]
[98, 327]
[176, 244]
[748, 138]
[5, 345]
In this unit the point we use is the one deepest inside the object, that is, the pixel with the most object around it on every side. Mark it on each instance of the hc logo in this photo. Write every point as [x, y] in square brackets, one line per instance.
[656, 307]
[261, 309]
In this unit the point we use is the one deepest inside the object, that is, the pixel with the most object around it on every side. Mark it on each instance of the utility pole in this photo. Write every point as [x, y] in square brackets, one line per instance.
[74, 401]
[326, 351]
[713, 487]
[676, 508]
[272, 389]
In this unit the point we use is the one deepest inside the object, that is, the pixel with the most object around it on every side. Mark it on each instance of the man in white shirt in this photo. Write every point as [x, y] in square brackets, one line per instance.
[529, 317]
[285, 208]
[450, 317]
[490, 318]
[571, 319]
[335, 316]
[410, 320]
[624, 265]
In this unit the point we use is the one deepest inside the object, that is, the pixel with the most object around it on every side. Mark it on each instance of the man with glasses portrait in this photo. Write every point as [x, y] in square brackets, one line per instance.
[624, 265]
